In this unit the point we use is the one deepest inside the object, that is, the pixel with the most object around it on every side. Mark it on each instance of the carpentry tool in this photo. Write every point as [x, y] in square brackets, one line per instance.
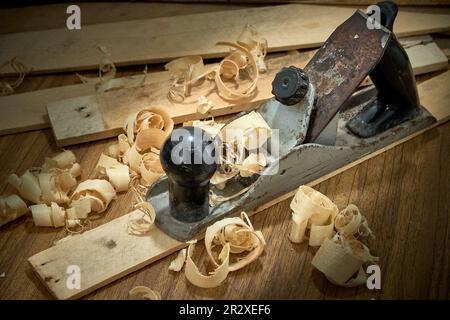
[322, 126]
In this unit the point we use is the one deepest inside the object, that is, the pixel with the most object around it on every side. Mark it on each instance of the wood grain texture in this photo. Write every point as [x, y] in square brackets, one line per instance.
[109, 111]
[53, 16]
[162, 39]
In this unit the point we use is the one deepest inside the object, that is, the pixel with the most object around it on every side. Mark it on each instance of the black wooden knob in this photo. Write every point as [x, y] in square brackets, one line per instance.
[290, 85]
[188, 158]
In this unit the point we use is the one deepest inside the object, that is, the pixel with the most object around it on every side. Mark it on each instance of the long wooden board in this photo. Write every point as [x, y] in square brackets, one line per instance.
[28, 111]
[109, 111]
[286, 27]
[107, 253]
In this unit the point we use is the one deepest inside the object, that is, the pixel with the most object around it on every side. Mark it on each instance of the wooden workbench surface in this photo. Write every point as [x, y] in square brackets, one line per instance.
[404, 193]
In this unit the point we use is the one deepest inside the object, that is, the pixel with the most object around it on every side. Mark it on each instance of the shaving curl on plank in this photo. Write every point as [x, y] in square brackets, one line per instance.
[9, 87]
[106, 79]
[234, 78]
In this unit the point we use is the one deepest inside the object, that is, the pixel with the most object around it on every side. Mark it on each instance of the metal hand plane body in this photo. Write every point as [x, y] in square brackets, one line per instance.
[323, 122]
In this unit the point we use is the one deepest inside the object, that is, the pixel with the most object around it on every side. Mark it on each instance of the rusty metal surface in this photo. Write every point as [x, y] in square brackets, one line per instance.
[340, 65]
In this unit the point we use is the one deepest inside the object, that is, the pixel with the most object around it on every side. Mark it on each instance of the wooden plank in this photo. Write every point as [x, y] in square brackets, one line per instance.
[107, 253]
[285, 27]
[28, 111]
[109, 111]
[53, 16]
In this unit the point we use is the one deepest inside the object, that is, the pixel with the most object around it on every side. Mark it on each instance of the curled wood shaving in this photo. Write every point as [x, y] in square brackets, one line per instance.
[235, 235]
[50, 183]
[253, 164]
[117, 173]
[210, 126]
[150, 168]
[215, 278]
[100, 192]
[178, 263]
[314, 211]
[6, 87]
[63, 160]
[215, 199]
[11, 207]
[235, 78]
[106, 73]
[250, 39]
[251, 129]
[48, 216]
[79, 209]
[145, 292]
[204, 105]
[340, 259]
[152, 117]
[141, 220]
[351, 222]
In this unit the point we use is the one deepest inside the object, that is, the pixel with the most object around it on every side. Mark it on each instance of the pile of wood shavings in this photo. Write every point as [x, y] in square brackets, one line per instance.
[235, 236]
[341, 254]
[234, 79]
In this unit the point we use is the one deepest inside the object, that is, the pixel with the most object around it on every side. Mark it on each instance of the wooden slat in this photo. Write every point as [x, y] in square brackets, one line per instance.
[285, 27]
[107, 253]
[28, 111]
[109, 111]
[53, 16]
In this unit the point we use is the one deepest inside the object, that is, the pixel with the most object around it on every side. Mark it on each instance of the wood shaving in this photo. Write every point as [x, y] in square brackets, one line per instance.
[178, 263]
[351, 222]
[235, 235]
[312, 211]
[340, 259]
[251, 129]
[204, 105]
[50, 183]
[145, 292]
[141, 219]
[7, 87]
[117, 173]
[152, 117]
[250, 39]
[100, 192]
[48, 216]
[106, 73]
[235, 78]
[340, 256]
[150, 168]
[210, 126]
[11, 208]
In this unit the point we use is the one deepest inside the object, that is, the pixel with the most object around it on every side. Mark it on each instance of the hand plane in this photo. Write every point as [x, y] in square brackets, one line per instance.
[323, 123]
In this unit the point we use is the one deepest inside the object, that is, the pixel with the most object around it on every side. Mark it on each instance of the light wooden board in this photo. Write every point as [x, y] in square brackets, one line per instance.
[109, 111]
[53, 16]
[107, 253]
[28, 111]
[285, 27]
